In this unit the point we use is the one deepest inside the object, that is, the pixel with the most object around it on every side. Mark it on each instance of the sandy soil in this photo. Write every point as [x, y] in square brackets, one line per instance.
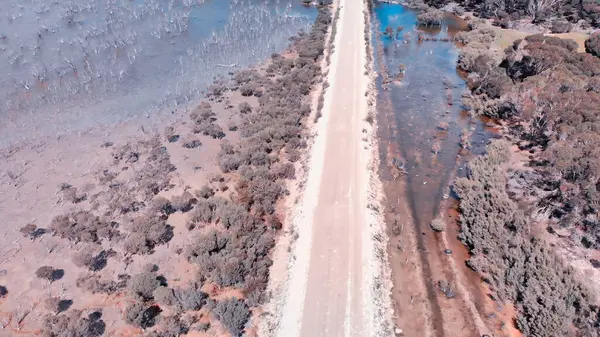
[329, 290]
[506, 37]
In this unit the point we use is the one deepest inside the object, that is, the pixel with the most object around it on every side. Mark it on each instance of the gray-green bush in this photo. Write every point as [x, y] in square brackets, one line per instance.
[519, 268]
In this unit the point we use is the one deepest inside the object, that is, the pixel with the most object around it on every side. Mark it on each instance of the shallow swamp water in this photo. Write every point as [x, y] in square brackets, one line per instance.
[426, 138]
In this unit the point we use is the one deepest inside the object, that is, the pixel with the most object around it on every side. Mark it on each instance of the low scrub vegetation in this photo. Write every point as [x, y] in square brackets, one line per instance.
[233, 220]
[83, 226]
[430, 17]
[549, 94]
[584, 12]
[232, 313]
[74, 323]
[519, 268]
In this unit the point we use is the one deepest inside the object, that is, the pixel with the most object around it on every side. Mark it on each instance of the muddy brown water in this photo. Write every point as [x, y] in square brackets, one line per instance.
[422, 122]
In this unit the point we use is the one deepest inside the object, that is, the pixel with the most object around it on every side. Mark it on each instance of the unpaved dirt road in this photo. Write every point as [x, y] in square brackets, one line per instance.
[329, 289]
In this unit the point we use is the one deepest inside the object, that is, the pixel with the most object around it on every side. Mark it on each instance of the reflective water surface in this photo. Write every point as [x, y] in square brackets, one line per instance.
[69, 64]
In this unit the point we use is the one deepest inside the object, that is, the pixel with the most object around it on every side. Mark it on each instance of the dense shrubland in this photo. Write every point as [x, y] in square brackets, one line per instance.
[548, 93]
[592, 44]
[236, 252]
[231, 234]
[559, 15]
[519, 268]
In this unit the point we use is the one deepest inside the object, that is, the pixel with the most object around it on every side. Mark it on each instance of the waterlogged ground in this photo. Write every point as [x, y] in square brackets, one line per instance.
[426, 135]
[69, 65]
[426, 103]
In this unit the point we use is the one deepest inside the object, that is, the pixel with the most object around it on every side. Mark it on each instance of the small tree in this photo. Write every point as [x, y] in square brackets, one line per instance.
[49, 273]
[538, 8]
[56, 305]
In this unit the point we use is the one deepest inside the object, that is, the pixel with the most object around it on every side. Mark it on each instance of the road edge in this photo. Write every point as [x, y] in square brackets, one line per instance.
[283, 312]
[375, 255]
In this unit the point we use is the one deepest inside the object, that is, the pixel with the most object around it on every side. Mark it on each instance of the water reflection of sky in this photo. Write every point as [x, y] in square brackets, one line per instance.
[96, 61]
[428, 94]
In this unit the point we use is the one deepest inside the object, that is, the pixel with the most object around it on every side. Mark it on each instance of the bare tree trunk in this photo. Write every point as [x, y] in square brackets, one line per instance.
[537, 7]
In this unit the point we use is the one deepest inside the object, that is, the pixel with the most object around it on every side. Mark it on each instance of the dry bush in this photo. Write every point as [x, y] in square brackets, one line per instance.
[74, 323]
[49, 273]
[142, 285]
[247, 89]
[191, 143]
[205, 192]
[183, 202]
[170, 134]
[83, 226]
[160, 205]
[438, 224]
[164, 296]
[171, 326]
[92, 261]
[154, 176]
[232, 126]
[432, 17]
[537, 53]
[592, 44]
[560, 27]
[94, 284]
[244, 108]
[234, 215]
[265, 194]
[56, 305]
[209, 129]
[233, 257]
[190, 298]
[204, 211]
[32, 231]
[539, 11]
[232, 313]
[3, 291]
[146, 233]
[183, 298]
[70, 194]
[141, 315]
[284, 170]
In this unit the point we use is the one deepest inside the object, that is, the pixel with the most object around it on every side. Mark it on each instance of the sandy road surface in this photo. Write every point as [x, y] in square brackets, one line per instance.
[329, 289]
